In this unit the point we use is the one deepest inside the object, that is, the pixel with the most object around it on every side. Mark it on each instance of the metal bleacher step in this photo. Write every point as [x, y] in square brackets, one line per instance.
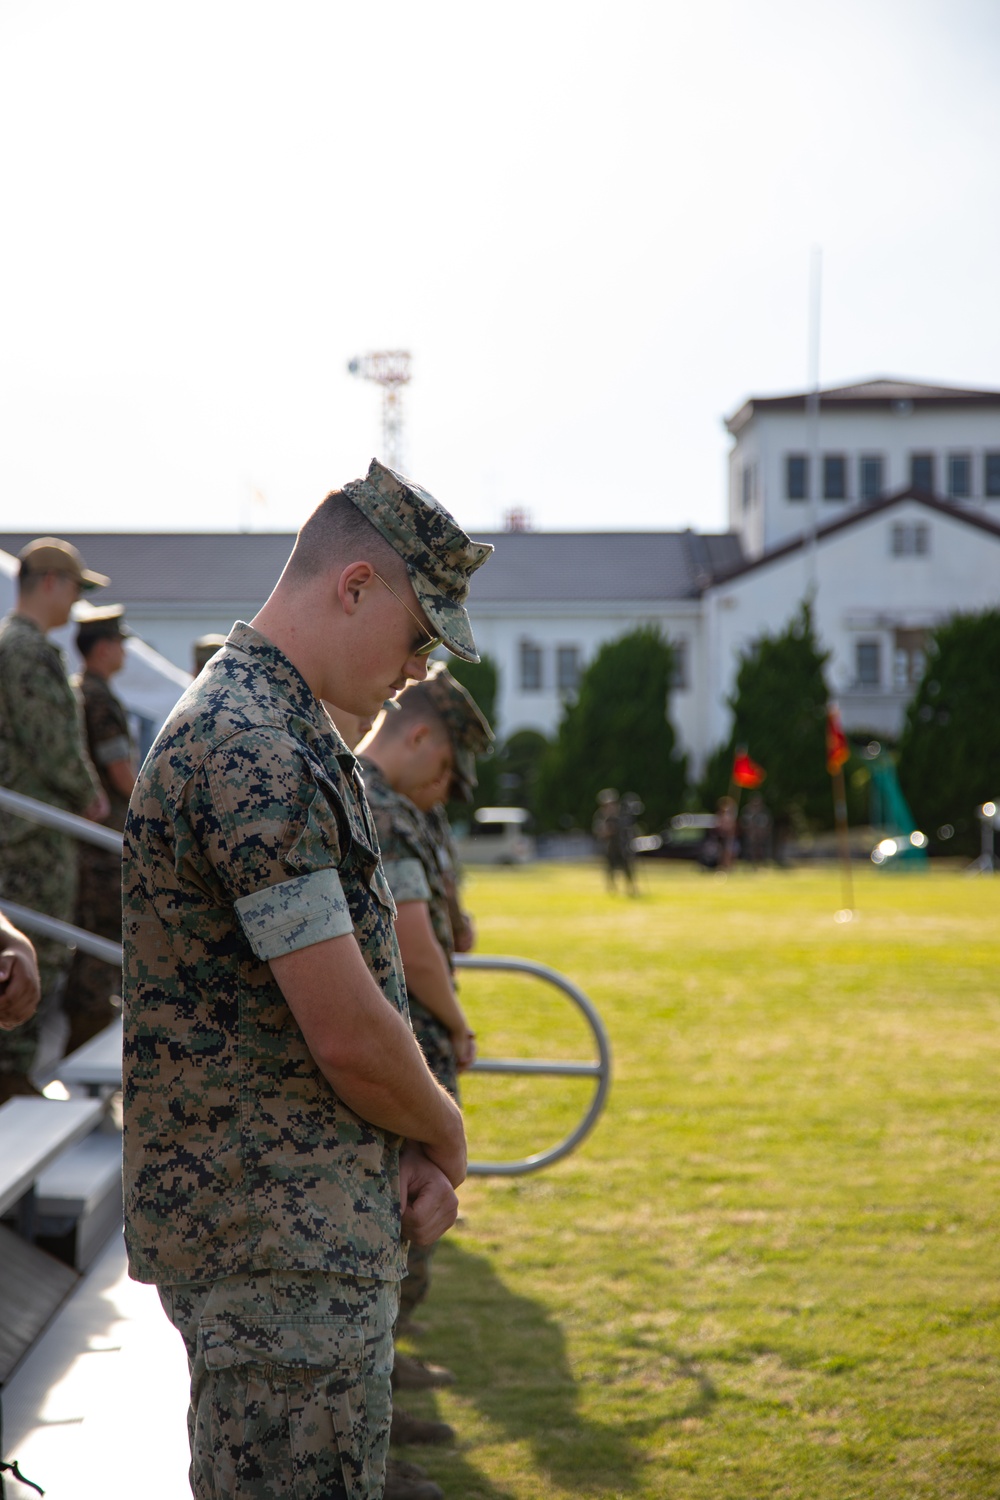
[78, 1199]
[34, 1285]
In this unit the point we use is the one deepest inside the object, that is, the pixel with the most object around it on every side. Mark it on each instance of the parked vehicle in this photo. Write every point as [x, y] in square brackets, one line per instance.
[498, 836]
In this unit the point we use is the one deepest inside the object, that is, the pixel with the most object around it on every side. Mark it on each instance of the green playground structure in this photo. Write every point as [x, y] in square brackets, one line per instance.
[903, 844]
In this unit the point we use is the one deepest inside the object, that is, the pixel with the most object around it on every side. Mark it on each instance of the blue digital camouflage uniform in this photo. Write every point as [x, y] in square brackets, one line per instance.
[264, 1208]
[41, 755]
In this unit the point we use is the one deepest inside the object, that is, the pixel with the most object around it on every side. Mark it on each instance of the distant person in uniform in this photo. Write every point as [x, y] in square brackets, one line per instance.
[284, 1136]
[93, 987]
[613, 828]
[204, 648]
[755, 830]
[20, 990]
[726, 828]
[42, 755]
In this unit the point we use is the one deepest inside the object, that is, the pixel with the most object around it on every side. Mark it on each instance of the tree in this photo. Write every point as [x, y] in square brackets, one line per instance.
[617, 733]
[949, 751]
[779, 714]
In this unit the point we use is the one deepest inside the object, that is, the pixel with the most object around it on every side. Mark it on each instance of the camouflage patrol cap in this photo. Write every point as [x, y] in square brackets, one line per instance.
[468, 728]
[439, 557]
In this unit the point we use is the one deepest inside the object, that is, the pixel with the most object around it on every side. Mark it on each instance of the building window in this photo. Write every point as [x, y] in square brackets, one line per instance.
[910, 539]
[870, 477]
[868, 663]
[531, 667]
[991, 475]
[834, 476]
[797, 476]
[959, 476]
[749, 482]
[568, 668]
[922, 471]
[908, 659]
[681, 675]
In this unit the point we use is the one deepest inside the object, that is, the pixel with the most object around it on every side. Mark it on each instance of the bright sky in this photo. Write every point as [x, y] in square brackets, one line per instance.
[590, 224]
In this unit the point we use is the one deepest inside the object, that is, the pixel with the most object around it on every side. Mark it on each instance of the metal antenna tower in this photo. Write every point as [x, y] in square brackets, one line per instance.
[391, 370]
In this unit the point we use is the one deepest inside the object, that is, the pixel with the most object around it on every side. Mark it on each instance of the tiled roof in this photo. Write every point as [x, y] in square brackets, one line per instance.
[179, 567]
[884, 390]
[529, 566]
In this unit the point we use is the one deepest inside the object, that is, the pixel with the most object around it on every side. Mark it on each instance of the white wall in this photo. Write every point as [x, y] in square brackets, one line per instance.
[770, 436]
[500, 629]
[863, 592]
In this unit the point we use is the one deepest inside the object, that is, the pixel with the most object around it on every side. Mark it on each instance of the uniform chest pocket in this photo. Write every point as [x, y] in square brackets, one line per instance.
[380, 888]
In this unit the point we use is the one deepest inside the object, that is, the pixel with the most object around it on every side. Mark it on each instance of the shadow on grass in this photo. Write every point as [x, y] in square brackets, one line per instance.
[514, 1387]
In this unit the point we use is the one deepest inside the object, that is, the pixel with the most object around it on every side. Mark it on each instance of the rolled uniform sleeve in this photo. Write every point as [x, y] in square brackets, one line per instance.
[407, 880]
[296, 914]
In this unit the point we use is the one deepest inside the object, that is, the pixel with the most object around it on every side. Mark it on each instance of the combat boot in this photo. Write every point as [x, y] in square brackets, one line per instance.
[409, 1482]
[407, 1429]
[410, 1374]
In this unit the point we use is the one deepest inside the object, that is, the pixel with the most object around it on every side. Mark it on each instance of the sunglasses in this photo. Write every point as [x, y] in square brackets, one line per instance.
[431, 642]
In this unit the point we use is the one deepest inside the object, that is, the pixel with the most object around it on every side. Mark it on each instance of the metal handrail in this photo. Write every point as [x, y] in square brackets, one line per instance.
[62, 932]
[88, 942]
[34, 811]
[599, 1070]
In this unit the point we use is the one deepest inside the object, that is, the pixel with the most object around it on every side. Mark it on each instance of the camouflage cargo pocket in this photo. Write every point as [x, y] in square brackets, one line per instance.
[285, 1411]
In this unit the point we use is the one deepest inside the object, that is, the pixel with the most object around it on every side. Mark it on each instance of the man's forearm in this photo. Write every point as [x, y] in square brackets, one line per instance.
[425, 964]
[367, 1052]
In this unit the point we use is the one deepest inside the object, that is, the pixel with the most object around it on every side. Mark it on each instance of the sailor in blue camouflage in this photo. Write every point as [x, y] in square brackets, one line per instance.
[265, 1209]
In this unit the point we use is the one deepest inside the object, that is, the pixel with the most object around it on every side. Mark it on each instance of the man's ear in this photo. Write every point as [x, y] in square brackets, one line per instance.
[352, 583]
[416, 735]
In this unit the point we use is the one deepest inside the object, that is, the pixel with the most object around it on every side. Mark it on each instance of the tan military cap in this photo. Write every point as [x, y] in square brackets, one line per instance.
[439, 557]
[106, 624]
[50, 555]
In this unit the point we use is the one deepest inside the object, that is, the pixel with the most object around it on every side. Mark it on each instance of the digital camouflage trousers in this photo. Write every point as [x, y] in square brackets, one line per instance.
[290, 1395]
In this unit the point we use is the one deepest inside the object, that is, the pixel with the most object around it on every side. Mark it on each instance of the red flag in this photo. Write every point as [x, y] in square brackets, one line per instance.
[837, 749]
[747, 772]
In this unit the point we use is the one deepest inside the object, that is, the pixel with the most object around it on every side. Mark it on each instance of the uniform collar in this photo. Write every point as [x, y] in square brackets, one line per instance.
[287, 682]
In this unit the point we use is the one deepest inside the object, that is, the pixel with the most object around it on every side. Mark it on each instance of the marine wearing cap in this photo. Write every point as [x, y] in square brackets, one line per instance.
[439, 557]
[50, 555]
[468, 728]
[106, 624]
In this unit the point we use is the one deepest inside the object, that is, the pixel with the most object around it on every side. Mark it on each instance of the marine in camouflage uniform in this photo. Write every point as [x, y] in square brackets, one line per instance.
[416, 871]
[91, 982]
[260, 1196]
[42, 755]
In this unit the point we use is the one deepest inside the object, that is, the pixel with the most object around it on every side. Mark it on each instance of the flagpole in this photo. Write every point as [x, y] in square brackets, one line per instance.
[837, 754]
[840, 818]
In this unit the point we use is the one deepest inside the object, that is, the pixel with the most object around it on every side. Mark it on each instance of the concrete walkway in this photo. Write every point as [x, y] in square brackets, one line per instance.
[97, 1410]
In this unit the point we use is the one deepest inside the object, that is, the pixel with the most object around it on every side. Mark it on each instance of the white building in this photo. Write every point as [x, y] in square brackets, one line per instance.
[905, 533]
[871, 440]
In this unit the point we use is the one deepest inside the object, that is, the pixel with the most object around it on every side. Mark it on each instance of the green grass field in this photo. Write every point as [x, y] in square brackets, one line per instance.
[772, 1268]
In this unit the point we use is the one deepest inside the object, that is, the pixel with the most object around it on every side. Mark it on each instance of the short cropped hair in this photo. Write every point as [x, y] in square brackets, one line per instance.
[414, 705]
[337, 532]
